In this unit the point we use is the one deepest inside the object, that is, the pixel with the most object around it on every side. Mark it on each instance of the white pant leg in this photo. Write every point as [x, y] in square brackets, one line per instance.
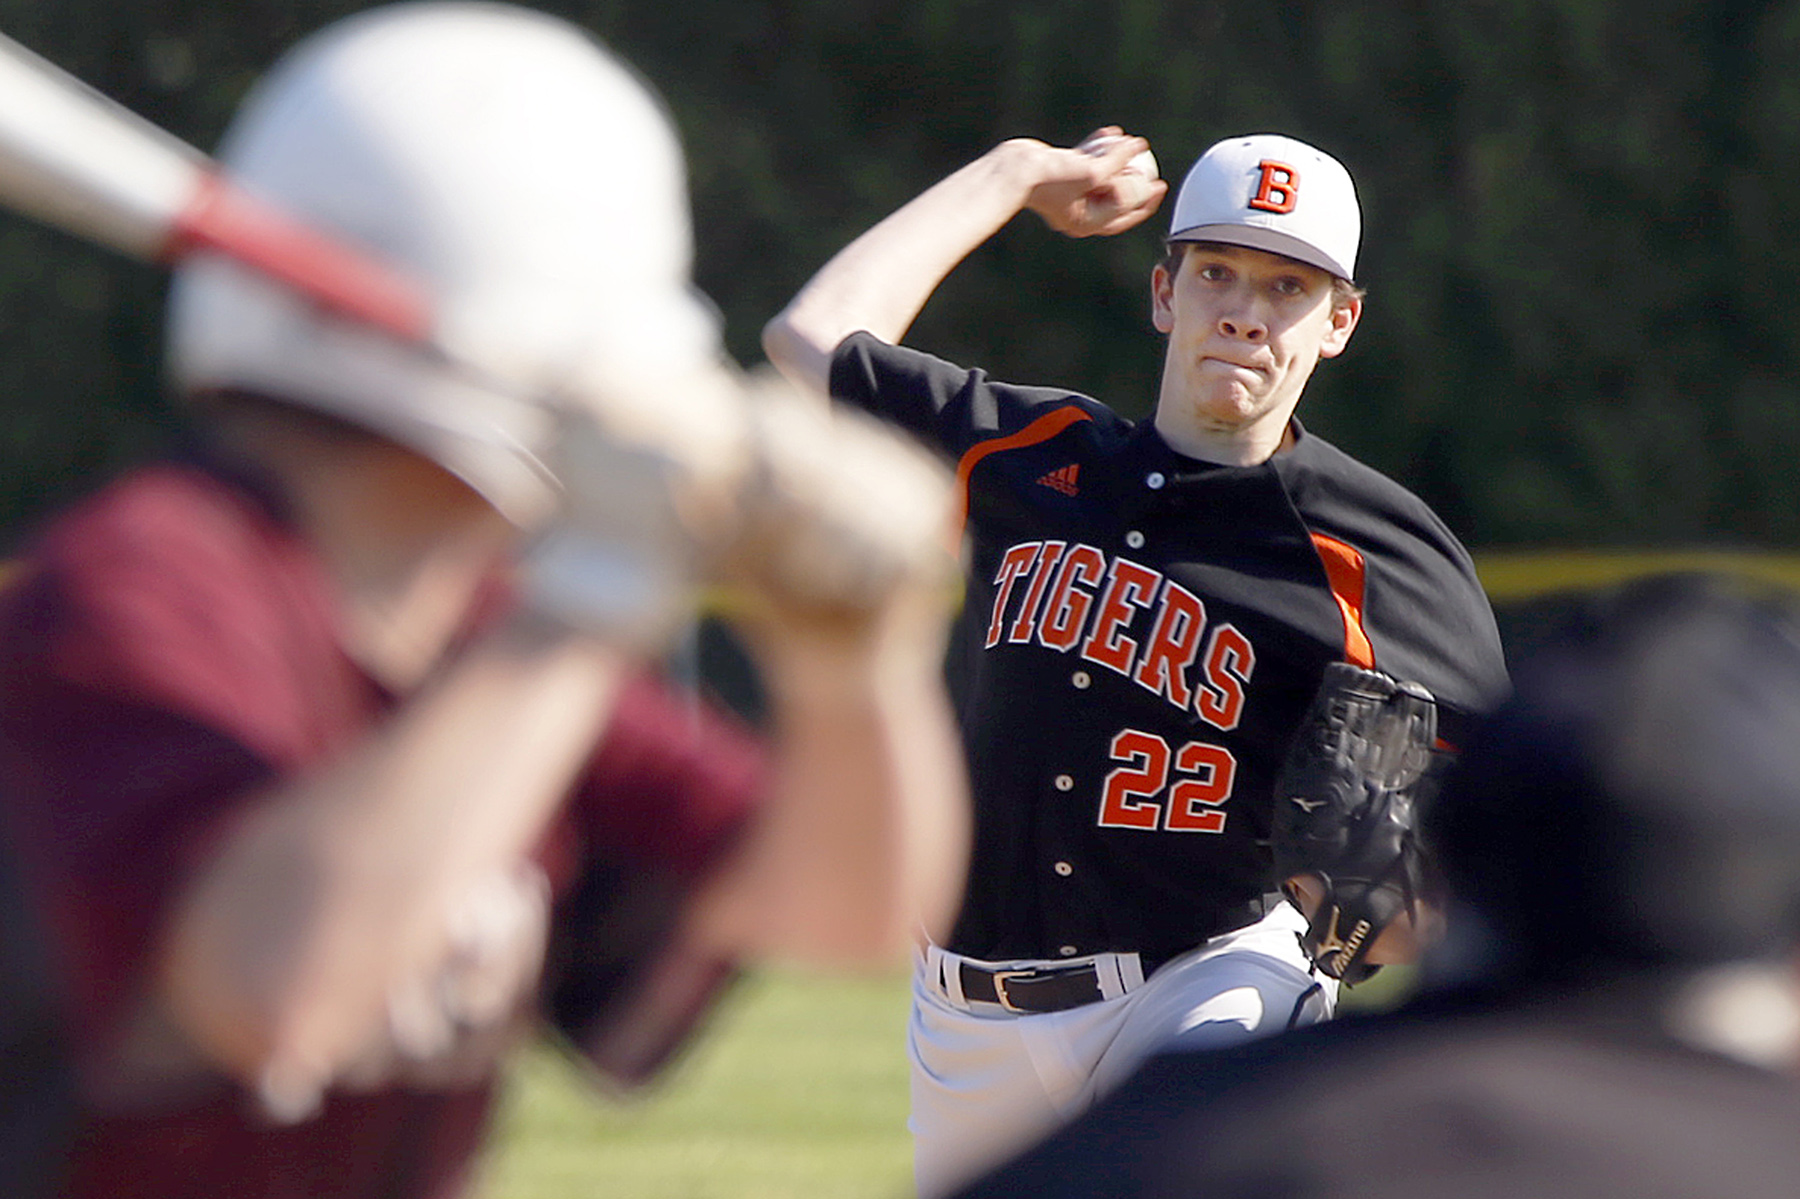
[1249, 983]
[985, 1086]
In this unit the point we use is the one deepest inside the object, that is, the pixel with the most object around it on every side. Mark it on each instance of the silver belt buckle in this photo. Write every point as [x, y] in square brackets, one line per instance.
[1001, 977]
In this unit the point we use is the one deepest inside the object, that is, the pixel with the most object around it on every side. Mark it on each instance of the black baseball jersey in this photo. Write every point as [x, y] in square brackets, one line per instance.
[1141, 635]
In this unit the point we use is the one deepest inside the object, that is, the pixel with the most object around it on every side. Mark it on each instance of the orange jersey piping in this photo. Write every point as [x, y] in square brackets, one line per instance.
[1347, 574]
[1042, 429]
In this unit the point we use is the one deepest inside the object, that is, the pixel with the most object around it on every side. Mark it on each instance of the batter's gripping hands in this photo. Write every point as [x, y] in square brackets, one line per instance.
[820, 513]
[839, 513]
[623, 558]
[1361, 764]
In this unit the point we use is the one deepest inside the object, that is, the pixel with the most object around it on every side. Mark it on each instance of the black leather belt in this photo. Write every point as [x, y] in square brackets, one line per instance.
[1035, 991]
[1041, 989]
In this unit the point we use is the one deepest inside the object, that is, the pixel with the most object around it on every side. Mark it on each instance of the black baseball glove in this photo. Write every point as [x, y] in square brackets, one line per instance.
[1359, 767]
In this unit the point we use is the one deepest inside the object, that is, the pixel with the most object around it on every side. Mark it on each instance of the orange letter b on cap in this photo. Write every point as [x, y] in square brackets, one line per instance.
[1279, 190]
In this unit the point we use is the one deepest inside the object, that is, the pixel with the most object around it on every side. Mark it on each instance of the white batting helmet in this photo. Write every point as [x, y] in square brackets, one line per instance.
[509, 163]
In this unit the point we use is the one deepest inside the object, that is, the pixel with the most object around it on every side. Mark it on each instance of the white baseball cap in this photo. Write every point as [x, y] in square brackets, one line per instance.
[1270, 192]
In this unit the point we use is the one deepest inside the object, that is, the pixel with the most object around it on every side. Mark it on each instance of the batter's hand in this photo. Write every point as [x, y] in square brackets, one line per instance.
[1094, 189]
[839, 514]
[820, 513]
[620, 562]
[651, 474]
[449, 1026]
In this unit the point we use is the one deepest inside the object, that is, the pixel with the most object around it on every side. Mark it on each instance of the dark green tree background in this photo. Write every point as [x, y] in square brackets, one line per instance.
[1581, 219]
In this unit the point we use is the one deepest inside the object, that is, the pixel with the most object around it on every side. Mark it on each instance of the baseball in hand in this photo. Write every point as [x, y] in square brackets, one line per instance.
[1131, 186]
[1133, 183]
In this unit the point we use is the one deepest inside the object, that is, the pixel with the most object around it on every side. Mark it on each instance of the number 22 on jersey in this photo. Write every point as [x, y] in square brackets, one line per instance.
[1134, 796]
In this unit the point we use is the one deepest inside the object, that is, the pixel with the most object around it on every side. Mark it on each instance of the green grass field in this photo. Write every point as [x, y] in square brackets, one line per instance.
[797, 1091]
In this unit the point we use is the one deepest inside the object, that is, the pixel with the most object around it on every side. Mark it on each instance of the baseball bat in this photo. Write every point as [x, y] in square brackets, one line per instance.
[83, 163]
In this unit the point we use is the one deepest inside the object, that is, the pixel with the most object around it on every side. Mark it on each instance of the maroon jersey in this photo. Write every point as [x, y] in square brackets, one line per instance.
[170, 649]
[1143, 633]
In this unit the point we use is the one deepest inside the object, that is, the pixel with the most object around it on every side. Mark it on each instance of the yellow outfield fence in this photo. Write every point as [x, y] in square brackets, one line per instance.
[1508, 576]
[1513, 575]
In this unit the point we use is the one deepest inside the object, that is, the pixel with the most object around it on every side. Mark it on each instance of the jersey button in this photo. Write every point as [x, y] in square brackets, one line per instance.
[1080, 680]
[1134, 539]
[1068, 951]
[1154, 480]
[1064, 869]
[1064, 783]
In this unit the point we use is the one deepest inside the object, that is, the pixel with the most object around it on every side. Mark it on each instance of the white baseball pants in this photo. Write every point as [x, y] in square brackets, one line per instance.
[987, 1083]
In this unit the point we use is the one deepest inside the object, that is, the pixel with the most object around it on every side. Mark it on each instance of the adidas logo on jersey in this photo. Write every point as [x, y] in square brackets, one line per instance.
[1063, 479]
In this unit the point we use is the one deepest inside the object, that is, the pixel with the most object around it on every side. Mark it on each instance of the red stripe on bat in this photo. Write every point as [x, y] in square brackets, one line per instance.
[345, 280]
